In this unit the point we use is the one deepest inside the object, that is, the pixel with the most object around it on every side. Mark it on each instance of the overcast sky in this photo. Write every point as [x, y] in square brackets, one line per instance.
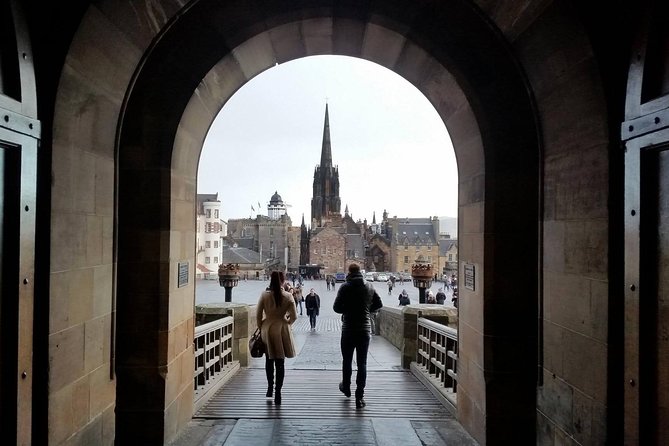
[391, 146]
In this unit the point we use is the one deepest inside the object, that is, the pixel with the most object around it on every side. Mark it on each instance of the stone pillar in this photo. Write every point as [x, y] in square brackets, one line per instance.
[400, 326]
[244, 324]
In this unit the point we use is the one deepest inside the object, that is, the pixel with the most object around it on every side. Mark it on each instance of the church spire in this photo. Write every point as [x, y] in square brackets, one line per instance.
[374, 218]
[326, 151]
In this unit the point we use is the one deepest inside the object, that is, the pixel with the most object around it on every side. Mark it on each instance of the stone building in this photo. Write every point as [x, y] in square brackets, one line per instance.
[211, 230]
[272, 236]
[558, 114]
[448, 257]
[410, 238]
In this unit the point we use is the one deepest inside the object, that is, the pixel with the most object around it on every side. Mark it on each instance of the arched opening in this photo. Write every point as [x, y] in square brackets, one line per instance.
[480, 94]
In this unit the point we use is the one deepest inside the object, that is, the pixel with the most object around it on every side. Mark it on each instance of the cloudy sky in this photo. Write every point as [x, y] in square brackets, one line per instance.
[388, 141]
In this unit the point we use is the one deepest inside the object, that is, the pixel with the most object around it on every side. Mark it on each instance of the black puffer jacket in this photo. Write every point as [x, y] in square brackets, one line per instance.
[355, 300]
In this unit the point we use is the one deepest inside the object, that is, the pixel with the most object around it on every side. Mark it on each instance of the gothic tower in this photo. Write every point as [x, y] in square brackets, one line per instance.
[325, 199]
[304, 243]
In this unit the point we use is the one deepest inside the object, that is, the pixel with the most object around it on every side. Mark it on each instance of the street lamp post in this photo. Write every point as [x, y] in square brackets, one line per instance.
[422, 274]
[228, 277]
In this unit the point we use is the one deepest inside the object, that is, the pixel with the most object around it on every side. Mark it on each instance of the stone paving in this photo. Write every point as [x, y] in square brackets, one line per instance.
[319, 350]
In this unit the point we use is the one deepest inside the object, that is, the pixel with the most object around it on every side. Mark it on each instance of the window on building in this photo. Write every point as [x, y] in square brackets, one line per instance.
[339, 265]
[406, 247]
[450, 257]
[406, 259]
[429, 258]
[207, 244]
[215, 243]
[207, 260]
[215, 213]
[271, 232]
[216, 260]
[429, 247]
[207, 213]
[323, 250]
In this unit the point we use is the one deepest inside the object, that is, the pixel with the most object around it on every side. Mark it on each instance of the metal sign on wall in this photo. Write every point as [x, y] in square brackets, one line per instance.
[470, 276]
[183, 274]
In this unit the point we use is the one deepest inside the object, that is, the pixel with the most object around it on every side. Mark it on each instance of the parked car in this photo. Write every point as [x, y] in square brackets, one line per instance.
[340, 277]
[369, 277]
[382, 277]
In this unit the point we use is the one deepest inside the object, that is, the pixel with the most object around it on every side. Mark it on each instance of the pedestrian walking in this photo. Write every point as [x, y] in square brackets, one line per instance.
[297, 296]
[441, 297]
[390, 286]
[355, 301]
[327, 282]
[278, 308]
[313, 304]
[430, 298]
[404, 298]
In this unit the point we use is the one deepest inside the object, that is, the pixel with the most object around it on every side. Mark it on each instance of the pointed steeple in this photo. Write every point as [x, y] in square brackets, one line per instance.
[326, 151]
[346, 211]
[374, 218]
[303, 221]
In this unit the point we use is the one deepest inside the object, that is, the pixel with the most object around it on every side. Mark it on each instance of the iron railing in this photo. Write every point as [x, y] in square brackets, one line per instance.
[213, 353]
[437, 355]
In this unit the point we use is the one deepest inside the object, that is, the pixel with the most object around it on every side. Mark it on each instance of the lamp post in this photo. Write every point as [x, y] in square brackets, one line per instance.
[422, 274]
[228, 277]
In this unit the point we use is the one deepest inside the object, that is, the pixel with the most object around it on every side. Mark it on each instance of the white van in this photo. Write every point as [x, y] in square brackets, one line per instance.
[369, 277]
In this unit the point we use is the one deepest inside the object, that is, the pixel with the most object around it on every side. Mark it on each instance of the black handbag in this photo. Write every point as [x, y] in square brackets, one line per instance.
[256, 345]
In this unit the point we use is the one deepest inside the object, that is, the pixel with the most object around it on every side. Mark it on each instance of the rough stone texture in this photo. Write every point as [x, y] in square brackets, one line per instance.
[553, 50]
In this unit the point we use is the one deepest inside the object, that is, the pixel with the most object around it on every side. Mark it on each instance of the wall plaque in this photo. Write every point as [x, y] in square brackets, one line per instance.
[183, 274]
[470, 276]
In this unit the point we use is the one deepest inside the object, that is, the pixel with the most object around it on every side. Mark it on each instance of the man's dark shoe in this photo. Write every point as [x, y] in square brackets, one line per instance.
[269, 392]
[277, 398]
[344, 390]
[360, 403]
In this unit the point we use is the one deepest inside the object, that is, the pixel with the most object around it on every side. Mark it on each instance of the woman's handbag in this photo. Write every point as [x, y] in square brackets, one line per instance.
[256, 345]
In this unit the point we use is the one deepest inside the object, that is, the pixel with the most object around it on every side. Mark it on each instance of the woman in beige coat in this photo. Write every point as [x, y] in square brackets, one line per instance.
[278, 307]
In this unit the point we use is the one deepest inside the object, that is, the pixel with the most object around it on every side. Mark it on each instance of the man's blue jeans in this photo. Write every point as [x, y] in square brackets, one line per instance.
[358, 341]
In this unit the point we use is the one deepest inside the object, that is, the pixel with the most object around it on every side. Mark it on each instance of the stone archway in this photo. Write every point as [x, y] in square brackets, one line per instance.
[174, 98]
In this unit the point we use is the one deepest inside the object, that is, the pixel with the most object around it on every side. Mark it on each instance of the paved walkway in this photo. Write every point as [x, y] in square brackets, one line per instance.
[399, 411]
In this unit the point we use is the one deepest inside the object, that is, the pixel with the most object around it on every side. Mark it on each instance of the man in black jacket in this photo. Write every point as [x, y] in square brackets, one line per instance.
[355, 301]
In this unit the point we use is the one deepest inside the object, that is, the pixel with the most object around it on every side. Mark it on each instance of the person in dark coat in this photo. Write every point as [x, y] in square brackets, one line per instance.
[355, 301]
[313, 304]
[441, 297]
[404, 298]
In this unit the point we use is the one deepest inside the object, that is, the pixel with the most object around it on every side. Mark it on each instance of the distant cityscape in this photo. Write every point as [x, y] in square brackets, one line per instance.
[329, 243]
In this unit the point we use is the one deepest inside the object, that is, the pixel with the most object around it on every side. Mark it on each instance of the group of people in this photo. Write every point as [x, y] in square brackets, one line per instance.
[430, 297]
[277, 310]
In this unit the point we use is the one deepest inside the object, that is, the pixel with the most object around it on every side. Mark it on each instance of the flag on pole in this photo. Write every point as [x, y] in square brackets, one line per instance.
[252, 210]
[259, 207]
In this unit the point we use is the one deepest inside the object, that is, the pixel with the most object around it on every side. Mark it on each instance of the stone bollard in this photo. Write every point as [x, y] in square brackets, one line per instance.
[244, 324]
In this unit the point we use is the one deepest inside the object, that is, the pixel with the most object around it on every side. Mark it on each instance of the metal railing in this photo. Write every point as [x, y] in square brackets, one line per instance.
[213, 353]
[437, 355]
